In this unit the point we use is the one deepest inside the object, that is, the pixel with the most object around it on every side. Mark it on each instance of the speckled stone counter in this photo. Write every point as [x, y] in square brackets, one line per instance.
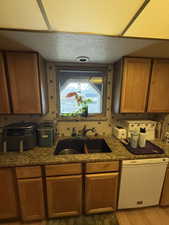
[43, 156]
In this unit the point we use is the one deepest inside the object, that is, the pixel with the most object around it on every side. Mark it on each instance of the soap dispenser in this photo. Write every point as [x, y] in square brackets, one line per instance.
[142, 138]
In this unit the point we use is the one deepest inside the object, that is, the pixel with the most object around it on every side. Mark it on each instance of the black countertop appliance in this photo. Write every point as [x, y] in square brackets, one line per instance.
[20, 136]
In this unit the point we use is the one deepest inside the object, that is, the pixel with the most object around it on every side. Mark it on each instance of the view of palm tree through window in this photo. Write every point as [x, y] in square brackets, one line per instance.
[80, 88]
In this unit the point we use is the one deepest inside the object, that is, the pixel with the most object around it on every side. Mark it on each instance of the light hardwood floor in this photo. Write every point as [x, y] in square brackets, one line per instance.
[146, 216]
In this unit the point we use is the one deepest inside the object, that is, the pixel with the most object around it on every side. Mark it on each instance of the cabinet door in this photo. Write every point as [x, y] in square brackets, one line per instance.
[31, 199]
[64, 195]
[44, 85]
[4, 97]
[24, 82]
[165, 192]
[8, 200]
[135, 82]
[101, 192]
[159, 87]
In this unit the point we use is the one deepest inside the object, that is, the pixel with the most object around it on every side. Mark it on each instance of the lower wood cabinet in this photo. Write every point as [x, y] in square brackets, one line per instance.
[165, 192]
[31, 199]
[100, 192]
[8, 197]
[69, 189]
[64, 195]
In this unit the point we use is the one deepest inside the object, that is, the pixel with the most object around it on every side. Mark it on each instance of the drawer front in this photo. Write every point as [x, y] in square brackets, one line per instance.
[63, 169]
[102, 167]
[28, 172]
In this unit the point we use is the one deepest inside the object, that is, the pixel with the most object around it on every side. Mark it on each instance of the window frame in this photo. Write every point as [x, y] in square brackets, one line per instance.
[91, 116]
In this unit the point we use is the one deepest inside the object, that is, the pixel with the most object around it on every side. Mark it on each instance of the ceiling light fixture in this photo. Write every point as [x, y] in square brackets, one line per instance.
[82, 59]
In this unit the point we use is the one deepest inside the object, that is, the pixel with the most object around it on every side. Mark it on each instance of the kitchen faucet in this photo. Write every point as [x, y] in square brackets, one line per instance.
[84, 130]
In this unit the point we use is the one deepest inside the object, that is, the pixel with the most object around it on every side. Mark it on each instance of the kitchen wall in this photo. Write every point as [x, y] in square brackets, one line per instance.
[103, 125]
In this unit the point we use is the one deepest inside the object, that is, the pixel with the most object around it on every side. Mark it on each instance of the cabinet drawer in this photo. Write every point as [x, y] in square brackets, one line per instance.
[28, 172]
[63, 169]
[102, 167]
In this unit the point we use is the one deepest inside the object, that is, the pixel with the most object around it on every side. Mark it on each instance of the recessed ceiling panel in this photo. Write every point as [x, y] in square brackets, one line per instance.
[21, 14]
[153, 22]
[109, 17]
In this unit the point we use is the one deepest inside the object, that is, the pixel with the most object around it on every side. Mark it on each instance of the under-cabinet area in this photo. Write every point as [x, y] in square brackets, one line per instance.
[51, 191]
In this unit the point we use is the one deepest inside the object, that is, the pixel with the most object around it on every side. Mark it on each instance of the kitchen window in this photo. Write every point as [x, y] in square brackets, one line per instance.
[81, 89]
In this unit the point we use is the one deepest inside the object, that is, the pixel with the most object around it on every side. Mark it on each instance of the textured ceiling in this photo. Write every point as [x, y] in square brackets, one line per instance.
[65, 47]
[158, 50]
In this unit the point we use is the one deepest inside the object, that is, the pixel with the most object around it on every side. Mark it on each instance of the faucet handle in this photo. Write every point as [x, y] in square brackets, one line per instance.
[84, 127]
[74, 133]
[93, 129]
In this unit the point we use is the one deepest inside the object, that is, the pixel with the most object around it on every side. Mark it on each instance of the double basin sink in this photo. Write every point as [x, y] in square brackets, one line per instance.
[81, 146]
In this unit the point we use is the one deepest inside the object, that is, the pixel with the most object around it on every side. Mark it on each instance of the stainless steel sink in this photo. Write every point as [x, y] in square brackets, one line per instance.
[81, 146]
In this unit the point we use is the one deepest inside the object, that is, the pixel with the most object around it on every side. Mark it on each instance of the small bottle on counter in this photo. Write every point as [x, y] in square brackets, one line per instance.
[134, 139]
[142, 138]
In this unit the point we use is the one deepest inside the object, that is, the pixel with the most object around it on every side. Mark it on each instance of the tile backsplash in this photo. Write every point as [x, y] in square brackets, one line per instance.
[103, 125]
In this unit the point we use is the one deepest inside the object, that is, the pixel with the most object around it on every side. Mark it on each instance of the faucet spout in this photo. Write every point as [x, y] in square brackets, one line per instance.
[84, 131]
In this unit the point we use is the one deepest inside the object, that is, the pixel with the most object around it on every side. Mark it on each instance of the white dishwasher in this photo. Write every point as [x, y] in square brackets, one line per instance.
[141, 182]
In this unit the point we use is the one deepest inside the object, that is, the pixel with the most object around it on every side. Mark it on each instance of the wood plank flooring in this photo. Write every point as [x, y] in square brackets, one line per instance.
[145, 216]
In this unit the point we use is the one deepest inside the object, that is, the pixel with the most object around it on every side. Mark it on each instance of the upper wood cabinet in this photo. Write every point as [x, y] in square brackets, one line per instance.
[130, 85]
[141, 85]
[100, 192]
[159, 87]
[64, 195]
[27, 83]
[4, 95]
[8, 198]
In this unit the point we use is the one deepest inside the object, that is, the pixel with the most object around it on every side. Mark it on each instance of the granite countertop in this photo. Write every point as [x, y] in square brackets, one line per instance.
[44, 156]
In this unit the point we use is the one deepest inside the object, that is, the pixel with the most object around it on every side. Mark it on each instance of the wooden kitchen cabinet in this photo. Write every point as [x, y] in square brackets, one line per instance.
[4, 95]
[100, 192]
[165, 192]
[130, 85]
[27, 83]
[31, 199]
[159, 87]
[64, 195]
[8, 194]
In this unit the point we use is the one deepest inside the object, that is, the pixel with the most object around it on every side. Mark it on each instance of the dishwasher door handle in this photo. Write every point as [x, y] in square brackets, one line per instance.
[144, 161]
